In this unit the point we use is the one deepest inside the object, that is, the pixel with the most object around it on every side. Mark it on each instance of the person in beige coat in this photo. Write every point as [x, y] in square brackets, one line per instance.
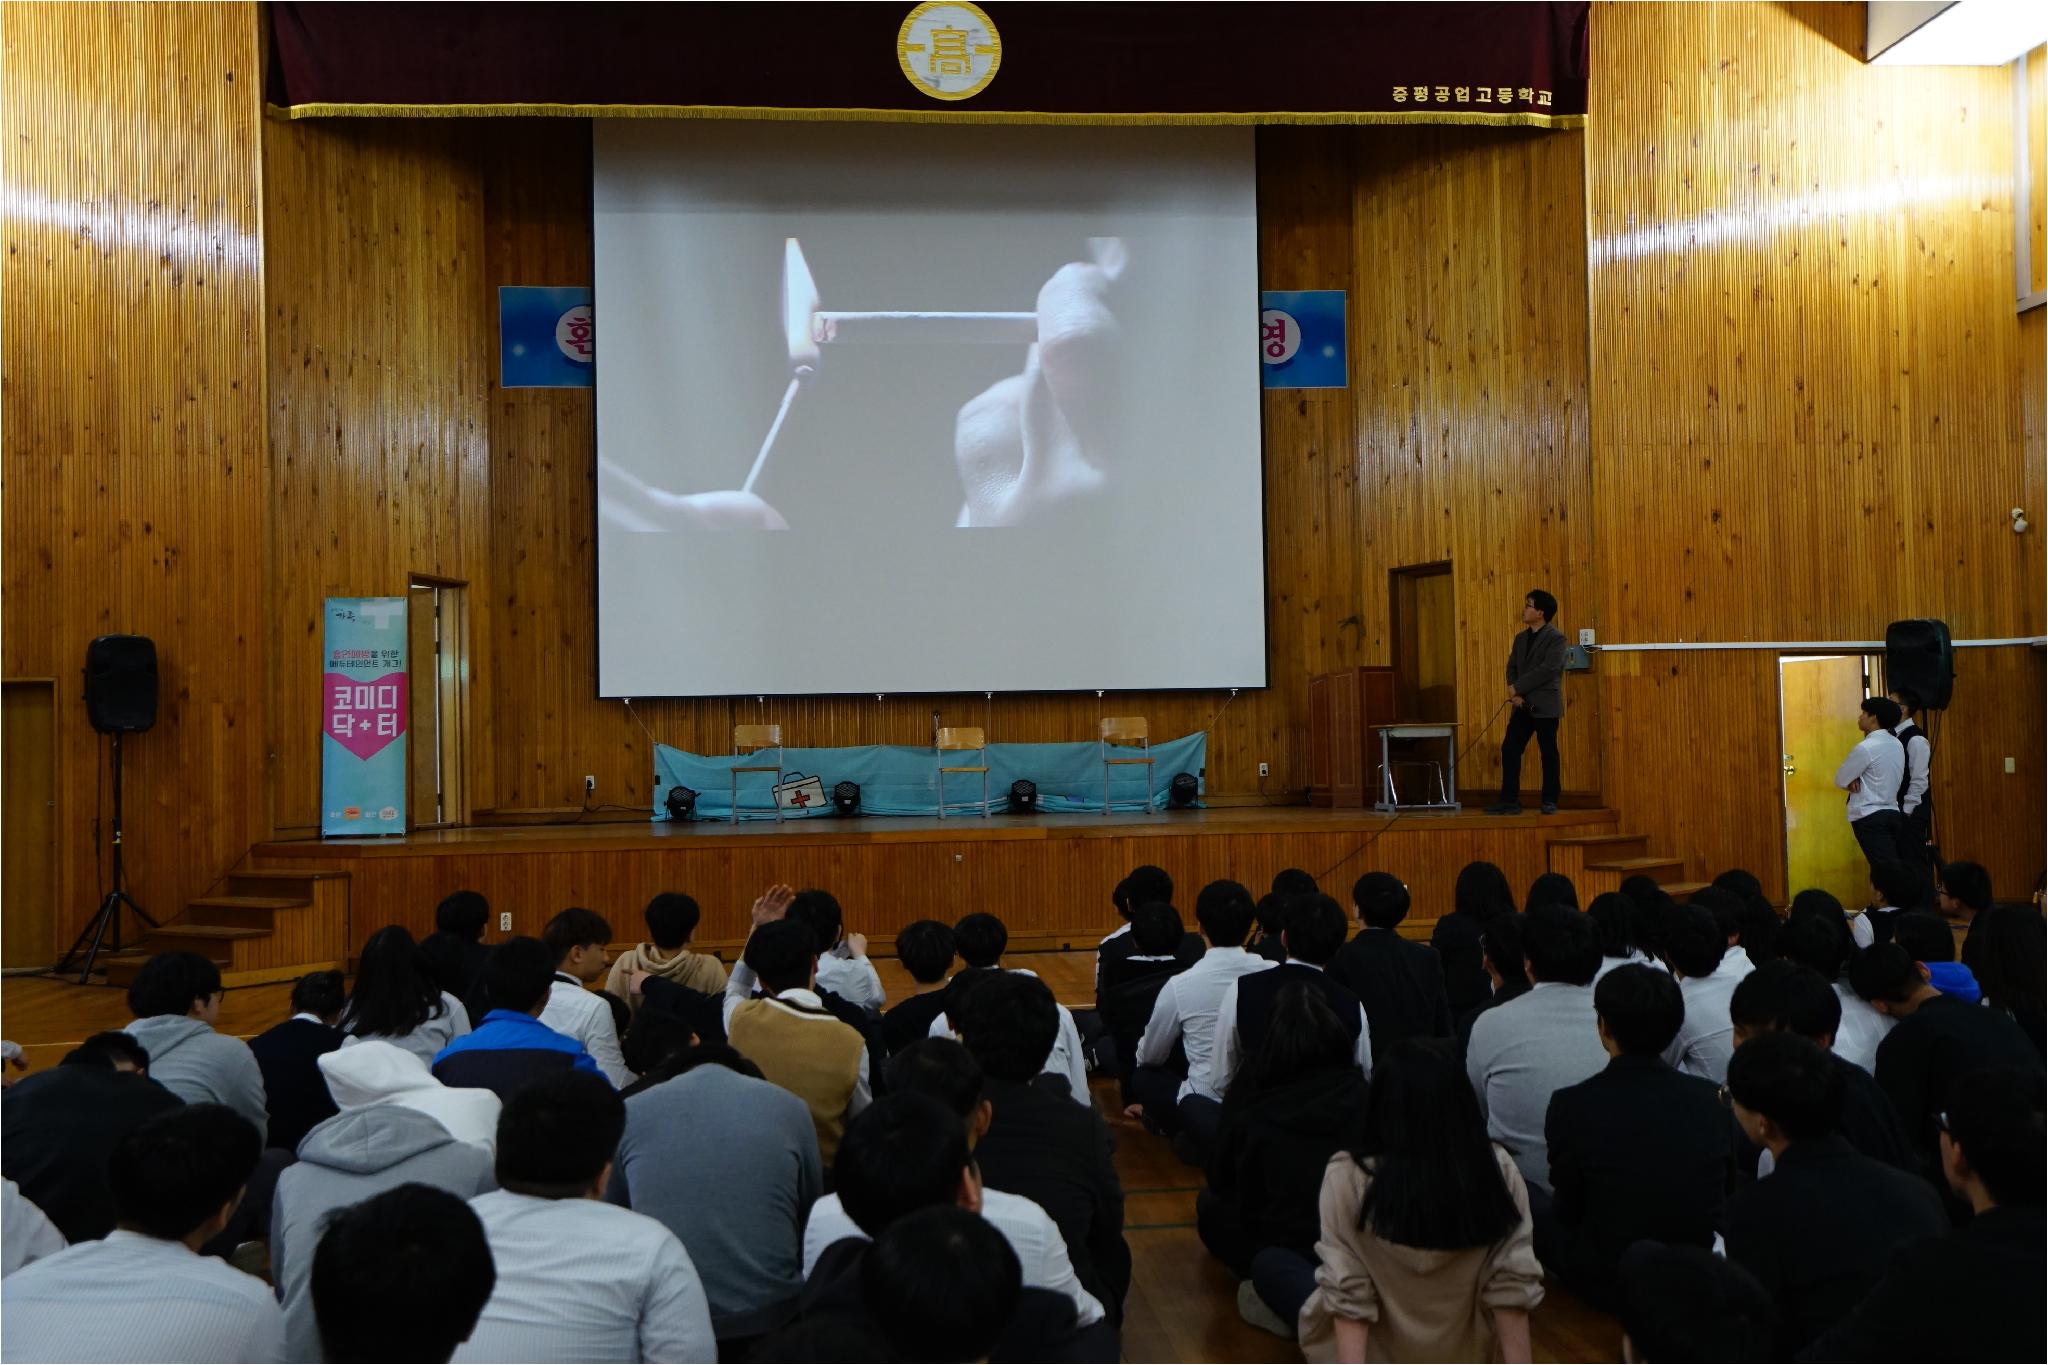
[671, 920]
[1426, 1250]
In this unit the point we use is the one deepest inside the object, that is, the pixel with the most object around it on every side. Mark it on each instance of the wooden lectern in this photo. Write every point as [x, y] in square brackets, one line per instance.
[1343, 708]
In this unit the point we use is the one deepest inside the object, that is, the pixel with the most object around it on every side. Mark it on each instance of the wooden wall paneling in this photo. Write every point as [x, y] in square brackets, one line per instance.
[378, 316]
[133, 485]
[1986, 814]
[1472, 432]
[28, 731]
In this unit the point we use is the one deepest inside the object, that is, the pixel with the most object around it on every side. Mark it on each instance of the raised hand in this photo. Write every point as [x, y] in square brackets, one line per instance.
[857, 945]
[773, 903]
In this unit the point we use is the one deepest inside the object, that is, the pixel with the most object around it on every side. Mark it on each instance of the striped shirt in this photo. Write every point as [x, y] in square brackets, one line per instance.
[135, 1297]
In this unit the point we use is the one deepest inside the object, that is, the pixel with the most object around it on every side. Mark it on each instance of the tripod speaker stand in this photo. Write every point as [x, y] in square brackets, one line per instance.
[120, 696]
[105, 928]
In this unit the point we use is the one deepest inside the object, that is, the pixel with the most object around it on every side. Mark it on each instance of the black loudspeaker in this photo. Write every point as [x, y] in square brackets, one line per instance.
[120, 683]
[1918, 658]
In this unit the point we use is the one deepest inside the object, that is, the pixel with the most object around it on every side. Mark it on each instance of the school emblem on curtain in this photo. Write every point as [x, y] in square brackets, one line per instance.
[949, 49]
[547, 337]
[1301, 338]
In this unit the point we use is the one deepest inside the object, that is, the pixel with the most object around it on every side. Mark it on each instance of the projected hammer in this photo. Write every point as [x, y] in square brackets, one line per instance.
[806, 327]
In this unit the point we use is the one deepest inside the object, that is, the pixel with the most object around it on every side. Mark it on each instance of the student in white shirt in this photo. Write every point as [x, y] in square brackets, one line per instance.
[144, 1292]
[26, 1231]
[1186, 1013]
[1315, 932]
[403, 1275]
[579, 938]
[843, 966]
[578, 1279]
[1813, 937]
[1708, 971]
[1874, 775]
[944, 1070]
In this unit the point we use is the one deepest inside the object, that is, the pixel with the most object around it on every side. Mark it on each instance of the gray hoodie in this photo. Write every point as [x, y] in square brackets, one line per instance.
[200, 1066]
[352, 1156]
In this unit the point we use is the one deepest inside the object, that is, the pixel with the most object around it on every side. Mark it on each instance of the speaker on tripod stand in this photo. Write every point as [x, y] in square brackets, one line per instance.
[120, 699]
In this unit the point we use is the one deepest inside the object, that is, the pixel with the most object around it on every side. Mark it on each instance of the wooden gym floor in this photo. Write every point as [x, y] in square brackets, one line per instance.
[1182, 1304]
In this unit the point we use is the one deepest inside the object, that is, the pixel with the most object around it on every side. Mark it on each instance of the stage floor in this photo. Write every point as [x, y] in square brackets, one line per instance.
[1048, 876]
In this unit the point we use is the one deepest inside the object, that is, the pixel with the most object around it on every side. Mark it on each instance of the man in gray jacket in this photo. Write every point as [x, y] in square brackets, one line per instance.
[1535, 690]
[377, 1142]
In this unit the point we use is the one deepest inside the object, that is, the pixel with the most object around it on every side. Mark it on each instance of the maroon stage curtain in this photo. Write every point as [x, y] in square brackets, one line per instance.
[1107, 63]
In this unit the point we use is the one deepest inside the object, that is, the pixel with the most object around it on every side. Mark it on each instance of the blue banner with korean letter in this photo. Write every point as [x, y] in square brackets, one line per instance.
[547, 337]
[363, 714]
[1301, 338]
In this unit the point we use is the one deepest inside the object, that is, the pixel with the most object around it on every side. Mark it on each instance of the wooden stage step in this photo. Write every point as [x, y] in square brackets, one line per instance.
[266, 925]
[1609, 874]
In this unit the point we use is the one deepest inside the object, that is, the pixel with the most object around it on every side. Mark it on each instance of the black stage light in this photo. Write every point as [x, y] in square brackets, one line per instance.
[1023, 796]
[681, 802]
[1182, 791]
[846, 798]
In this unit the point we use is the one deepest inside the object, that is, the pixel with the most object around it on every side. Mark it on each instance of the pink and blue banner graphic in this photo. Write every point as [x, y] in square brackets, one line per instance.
[363, 714]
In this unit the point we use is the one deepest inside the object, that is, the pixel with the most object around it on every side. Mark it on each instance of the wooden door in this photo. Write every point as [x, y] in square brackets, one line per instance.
[28, 816]
[1819, 699]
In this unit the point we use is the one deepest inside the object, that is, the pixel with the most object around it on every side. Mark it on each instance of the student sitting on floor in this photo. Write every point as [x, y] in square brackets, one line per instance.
[1820, 1229]
[925, 948]
[579, 940]
[455, 951]
[398, 999]
[1686, 1303]
[1637, 1151]
[843, 966]
[402, 1276]
[577, 1278]
[1928, 938]
[1426, 1239]
[1400, 983]
[176, 998]
[1184, 1019]
[1816, 935]
[1146, 885]
[1500, 954]
[1298, 1102]
[1130, 985]
[143, 1292]
[289, 1055]
[1708, 971]
[511, 1047]
[671, 921]
[981, 939]
[791, 1036]
[1314, 934]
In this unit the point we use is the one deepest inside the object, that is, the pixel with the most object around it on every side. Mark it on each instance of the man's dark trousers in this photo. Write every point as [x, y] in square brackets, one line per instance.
[1521, 726]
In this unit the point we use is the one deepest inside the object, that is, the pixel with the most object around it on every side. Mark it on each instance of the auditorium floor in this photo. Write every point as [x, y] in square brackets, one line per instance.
[1182, 1305]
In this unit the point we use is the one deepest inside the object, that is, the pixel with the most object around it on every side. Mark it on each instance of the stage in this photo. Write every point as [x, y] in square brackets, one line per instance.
[1048, 876]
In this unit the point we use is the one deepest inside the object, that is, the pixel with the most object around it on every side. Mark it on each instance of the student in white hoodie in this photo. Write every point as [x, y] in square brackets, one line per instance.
[397, 1126]
[176, 997]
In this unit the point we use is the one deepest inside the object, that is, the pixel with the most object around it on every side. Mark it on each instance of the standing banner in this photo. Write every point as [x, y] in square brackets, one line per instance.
[363, 715]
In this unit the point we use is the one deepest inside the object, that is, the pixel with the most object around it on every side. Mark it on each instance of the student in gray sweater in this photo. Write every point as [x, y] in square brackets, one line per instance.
[176, 997]
[376, 1143]
[729, 1163]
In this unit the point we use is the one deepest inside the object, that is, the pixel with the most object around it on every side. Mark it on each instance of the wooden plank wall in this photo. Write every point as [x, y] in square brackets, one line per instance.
[1806, 390]
[134, 474]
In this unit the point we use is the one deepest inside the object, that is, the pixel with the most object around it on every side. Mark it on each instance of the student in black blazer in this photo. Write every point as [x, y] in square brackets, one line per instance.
[1786, 995]
[1937, 1039]
[1041, 1144]
[1481, 896]
[1639, 1151]
[289, 1056]
[1974, 1294]
[1819, 1230]
[1400, 983]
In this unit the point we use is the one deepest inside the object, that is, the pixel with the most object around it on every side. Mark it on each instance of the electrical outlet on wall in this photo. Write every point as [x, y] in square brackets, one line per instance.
[1586, 635]
[589, 785]
[1263, 770]
[505, 922]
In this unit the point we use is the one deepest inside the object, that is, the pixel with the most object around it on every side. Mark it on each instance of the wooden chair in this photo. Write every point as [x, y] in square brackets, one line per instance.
[958, 739]
[1125, 730]
[750, 740]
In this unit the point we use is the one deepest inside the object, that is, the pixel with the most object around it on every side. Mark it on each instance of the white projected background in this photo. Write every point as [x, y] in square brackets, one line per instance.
[1023, 449]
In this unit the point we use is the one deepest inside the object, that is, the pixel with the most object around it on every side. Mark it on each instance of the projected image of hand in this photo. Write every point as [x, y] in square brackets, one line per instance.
[632, 504]
[1046, 438]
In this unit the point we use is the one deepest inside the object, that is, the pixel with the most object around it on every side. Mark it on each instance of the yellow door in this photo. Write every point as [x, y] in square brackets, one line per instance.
[1819, 699]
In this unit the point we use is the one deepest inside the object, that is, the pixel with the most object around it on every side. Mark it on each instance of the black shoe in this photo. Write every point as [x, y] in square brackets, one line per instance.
[1550, 807]
[1505, 808]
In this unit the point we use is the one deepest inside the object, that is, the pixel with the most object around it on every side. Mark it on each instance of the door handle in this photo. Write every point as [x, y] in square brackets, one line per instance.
[1790, 767]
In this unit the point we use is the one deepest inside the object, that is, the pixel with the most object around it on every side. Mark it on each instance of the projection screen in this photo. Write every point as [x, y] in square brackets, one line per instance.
[889, 408]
